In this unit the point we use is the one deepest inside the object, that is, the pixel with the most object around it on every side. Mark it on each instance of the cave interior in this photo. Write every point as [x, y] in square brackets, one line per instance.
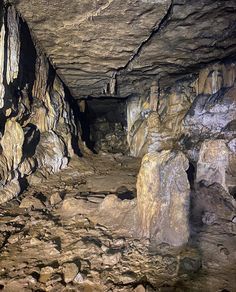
[118, 145]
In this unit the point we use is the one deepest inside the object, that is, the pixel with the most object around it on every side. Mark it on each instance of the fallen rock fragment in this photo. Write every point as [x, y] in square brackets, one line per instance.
[45, 274]
[55, 199]
[70, 272]
[31, 201]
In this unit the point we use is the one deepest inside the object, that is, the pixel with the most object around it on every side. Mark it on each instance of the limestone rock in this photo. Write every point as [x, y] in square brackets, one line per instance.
[31, 201]
[13, 45]
[158, 136]
[213, 110]
[163, 197]
[111, 260]
[147, 39]
[211, 204]
[45, 274]
[136, 127]
[2, 55]
[70, 271]
[51, 159]
[35, 112]
[10, 190]
[213, 162]
[140, 288]
[55, 198]
[12, 142]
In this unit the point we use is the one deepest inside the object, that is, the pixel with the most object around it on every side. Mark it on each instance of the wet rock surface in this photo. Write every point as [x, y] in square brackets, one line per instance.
[77, 244]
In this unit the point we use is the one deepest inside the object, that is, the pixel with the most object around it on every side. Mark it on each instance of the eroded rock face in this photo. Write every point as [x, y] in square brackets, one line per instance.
[147, 40]
[163, 196]
[95, 234]
[34, 111]
[213, 162]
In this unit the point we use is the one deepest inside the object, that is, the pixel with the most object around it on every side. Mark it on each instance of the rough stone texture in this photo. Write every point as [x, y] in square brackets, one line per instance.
[87, 41]
[213, 162]
[13, 45]
[163, 197]
[37, 244]
[34, 111]
[213, 110]
[194, 109]
[70, 271]
[174, 61]
[2, 57]
[137, 47]
[136, 127]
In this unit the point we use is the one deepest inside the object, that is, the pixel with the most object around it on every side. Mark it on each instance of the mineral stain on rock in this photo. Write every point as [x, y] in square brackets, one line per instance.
[117, 145]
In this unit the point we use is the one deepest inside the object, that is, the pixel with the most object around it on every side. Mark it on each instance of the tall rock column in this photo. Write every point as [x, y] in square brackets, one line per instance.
[163, 195]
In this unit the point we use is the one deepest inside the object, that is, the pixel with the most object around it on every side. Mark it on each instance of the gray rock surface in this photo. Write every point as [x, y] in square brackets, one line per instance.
[97, 46]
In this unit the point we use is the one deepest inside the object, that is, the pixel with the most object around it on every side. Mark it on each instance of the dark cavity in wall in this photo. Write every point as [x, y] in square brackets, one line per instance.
[26, 65]
[103, 123]
[75, 110]
[191, 172]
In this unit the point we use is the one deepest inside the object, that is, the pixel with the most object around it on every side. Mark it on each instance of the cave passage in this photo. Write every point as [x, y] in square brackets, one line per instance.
[103, 123]
[117, 146]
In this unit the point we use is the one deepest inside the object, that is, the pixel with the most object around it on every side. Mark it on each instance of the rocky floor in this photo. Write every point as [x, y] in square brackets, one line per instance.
[75, 232]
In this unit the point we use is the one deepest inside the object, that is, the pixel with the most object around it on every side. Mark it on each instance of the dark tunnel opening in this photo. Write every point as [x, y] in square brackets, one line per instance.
[103, 124]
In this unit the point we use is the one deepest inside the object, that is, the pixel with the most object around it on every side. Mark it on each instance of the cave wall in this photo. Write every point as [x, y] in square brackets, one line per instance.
[38, 133]
[187, 143]
[197, 107]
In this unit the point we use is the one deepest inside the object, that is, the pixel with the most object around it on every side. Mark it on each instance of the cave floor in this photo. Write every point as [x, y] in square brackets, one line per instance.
[73, 232]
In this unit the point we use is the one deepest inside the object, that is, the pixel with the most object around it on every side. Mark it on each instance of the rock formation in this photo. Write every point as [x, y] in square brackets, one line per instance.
[35, 112]
[163, 197]
[117, 145]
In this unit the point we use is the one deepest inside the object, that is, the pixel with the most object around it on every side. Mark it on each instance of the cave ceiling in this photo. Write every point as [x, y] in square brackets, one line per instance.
[117, 47]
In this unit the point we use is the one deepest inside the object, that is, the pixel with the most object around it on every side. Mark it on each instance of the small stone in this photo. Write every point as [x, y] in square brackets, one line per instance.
[111, 260]
[209, 218]
[118, 243]
[234, 219]
[55, 199]
[31, 201]
[70, 271]
[79, 278]
[45, 274]
[96, 200]
[35, 241]
[140, 288]
[14, 238]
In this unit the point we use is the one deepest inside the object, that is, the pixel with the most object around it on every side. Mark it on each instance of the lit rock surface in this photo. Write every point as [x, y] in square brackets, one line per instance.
[161, 74]
[213, 162]
[34, 111]
[39, 247]
[163, 197]
[97, 47]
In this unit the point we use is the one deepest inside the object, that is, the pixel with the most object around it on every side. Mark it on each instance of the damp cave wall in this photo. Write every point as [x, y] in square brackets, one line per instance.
[38, 129]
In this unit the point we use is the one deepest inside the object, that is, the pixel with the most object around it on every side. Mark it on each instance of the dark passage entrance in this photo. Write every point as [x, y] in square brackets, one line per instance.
[103, 123]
